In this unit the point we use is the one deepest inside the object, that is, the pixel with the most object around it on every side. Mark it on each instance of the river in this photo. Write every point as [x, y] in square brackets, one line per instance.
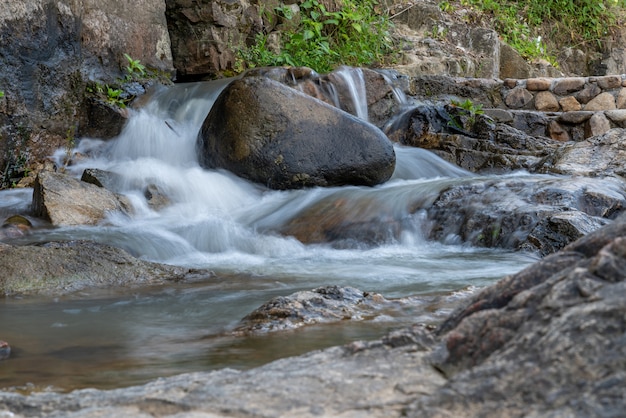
[220, 222]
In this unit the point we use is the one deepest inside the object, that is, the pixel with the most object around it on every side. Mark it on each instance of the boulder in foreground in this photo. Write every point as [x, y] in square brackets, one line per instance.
[272, 134]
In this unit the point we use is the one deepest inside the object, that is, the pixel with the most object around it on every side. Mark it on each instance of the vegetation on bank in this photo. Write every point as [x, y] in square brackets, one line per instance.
[324, 34]
[539, 28]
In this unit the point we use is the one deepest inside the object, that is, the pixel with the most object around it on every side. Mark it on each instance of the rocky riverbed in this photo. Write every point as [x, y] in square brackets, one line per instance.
[547, 341]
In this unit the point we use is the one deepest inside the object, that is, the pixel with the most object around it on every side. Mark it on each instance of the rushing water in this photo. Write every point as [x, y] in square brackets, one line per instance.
[223, 223]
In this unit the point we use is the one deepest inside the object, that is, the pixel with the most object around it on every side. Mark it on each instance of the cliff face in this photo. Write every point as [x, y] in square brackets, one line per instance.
[50, 51]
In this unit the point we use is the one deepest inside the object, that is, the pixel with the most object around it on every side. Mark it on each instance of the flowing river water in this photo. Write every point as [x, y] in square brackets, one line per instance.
[219, 222]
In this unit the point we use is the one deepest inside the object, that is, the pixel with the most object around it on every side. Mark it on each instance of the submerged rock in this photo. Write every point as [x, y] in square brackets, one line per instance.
[60, 268]
[324, 304]
[272, 134]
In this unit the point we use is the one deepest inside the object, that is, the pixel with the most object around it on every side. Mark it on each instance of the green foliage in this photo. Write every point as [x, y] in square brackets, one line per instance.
[1, 94]
[134, 68]
[356, 34]
[466, 114]
[564, 22]
[108, 94]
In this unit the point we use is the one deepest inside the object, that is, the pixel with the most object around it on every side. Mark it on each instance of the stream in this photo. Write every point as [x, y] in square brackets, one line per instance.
[217, 221]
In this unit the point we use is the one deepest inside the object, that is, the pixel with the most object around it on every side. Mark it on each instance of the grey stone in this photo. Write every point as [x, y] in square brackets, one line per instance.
[617, 116]
[63, 200]
[55, 269]
[609, 82]
[575, 117]
[601, 155]
[598, 124]
[588, 93]
[518, 98]
[568, 85]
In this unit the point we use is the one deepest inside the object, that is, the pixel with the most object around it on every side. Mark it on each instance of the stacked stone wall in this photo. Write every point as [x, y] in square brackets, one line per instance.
[564, 109]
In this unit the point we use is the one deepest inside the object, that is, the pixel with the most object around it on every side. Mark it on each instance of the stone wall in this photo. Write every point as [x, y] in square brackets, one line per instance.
[564, 109]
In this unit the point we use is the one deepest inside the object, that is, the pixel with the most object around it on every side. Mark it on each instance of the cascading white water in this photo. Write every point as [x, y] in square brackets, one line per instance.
[230, 226]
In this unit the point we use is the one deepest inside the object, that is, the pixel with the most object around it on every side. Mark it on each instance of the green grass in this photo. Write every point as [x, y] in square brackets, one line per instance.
[536, 28]
[356, 34]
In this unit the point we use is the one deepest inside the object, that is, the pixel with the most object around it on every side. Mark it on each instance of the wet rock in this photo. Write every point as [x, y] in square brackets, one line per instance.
[596, 156]
[540, 215]
[64, 200]
[321, 305]
[489, 147]
[285, 139]
[62, 268]
[547, 341]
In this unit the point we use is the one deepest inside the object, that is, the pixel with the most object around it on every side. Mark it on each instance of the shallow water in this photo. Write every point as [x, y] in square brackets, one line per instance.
[230, 226]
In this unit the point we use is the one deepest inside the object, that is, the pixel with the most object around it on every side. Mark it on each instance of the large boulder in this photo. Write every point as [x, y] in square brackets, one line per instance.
[275, 135]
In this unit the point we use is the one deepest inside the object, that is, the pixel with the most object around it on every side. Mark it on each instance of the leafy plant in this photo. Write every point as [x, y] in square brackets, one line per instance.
[355, 34]
[466, 114]
[134, 67]
[1, 94]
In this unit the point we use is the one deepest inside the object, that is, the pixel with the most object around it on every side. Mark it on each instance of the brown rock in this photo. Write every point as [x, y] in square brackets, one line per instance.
[557, 132]
[518, 98]
[620, 102]
[538, 84]
[568, 85]
[598, 124]
[617, 116]
[64, 200]
[570, 104]
[609, 82]
[603, 101]
[546, 102]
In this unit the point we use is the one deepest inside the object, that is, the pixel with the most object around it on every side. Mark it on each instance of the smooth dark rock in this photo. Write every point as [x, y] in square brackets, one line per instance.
[275, 135]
